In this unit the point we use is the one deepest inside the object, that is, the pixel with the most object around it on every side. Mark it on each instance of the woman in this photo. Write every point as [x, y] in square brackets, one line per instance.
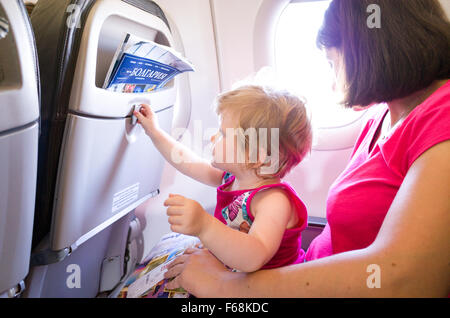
[390, 207]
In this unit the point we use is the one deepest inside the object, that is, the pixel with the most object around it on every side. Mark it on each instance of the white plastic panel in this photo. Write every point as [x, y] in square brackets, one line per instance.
[235, 41]
[18, 172]
[338, 138]
[313, 177]
[19, 103]
[108, 168]
[106, 26]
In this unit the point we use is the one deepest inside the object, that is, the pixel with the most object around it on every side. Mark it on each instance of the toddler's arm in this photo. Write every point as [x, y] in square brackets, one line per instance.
[179, 156]
[244, 252]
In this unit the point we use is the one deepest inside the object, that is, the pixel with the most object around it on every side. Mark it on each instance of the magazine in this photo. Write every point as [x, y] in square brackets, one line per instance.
[140, 66]
[148, 281]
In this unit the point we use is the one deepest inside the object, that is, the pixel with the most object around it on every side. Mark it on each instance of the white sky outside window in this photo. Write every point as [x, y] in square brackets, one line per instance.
[303, 68]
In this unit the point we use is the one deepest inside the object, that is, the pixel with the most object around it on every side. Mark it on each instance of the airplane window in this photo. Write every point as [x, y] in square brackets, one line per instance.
[303, 68]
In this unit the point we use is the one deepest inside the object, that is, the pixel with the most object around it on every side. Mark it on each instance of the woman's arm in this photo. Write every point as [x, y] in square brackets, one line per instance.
[179, 156]
[411, 251]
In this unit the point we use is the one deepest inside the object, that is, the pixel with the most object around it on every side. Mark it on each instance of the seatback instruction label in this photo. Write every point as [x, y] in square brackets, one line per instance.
[125, 197]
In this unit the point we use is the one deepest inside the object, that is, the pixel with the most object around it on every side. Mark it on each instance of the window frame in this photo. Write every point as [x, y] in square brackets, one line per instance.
[266, 25]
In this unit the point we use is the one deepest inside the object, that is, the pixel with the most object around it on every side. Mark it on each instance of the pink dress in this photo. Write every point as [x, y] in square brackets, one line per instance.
[234, 209]
[359, 199]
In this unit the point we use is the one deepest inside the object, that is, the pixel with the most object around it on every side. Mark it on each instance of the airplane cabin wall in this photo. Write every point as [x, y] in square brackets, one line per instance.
[245, 46]
[234, 24]
[245, 37]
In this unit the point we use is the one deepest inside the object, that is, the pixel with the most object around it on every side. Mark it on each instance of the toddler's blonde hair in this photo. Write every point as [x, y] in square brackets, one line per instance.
[258, 107]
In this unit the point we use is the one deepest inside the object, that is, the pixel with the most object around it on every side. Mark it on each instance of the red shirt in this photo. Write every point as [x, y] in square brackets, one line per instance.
[290, 251]
[361, 196]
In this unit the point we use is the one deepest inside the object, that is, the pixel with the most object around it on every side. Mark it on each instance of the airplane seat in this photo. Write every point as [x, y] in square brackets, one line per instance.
[19, 132]
[314, 228]
[96, 165]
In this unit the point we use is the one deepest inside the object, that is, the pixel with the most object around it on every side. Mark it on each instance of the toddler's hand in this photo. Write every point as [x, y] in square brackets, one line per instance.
[147, 118]
[186, 216]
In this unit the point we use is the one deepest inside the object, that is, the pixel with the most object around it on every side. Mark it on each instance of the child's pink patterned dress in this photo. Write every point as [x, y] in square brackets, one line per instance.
[233, 209]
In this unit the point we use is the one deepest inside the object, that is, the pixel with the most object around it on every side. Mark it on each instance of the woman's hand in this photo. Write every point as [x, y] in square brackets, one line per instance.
[198, 272]
[186, 216]
[147, 118]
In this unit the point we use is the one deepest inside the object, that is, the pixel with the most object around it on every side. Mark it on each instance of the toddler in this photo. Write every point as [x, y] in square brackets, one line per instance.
[258, 219]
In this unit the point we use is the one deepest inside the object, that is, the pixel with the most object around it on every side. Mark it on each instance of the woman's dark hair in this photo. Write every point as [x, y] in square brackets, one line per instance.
[407, 53]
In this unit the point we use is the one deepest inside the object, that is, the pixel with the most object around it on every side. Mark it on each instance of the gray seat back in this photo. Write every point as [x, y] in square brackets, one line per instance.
[95, 165]
[19, 132]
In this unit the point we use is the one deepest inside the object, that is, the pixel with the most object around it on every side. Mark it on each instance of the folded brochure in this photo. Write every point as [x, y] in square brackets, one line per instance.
[148, 281]
[141, 66]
